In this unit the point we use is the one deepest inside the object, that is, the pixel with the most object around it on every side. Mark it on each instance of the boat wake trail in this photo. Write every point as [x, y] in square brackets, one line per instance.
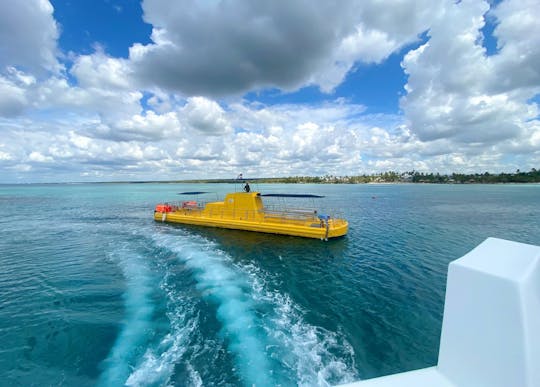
[310, 355]
[158, 363]
[264, 329]
[221, 284]
[137, 321]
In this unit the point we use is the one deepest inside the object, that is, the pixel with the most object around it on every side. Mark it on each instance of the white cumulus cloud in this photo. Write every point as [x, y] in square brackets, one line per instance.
[457, 91]
[230, 47]
[28, 36]
[174, 108]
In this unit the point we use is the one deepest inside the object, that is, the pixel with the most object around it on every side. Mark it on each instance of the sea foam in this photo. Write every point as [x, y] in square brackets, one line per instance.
[137, 320]
[158, 362]
[276, 346]
[314, 355]
[221, 284]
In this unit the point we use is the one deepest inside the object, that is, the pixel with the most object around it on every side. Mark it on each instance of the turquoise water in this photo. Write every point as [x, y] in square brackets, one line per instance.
[94, 292]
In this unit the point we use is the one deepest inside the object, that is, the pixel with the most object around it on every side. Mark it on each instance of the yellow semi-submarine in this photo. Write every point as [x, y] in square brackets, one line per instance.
[246, 211]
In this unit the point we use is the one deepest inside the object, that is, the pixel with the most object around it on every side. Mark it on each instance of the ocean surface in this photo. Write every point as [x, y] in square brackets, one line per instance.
[94, 292]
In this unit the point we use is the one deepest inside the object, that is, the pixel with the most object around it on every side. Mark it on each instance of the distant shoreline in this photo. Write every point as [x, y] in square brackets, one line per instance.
[259, 182]
[531, 177]
[385, 178]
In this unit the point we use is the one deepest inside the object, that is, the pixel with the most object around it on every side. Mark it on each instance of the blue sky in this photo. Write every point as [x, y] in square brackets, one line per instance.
[115, 25]
[144, 90]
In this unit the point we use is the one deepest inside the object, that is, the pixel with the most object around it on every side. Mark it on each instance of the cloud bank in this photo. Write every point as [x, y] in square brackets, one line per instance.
[175, 108]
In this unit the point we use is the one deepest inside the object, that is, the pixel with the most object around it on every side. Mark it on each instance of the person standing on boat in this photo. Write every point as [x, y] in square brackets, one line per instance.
[246, 187]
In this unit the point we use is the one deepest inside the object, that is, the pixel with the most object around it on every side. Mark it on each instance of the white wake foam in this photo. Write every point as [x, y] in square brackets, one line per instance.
[158, 363]
[219, 282]
[264, 329]
[318, 357]
[137, 321]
